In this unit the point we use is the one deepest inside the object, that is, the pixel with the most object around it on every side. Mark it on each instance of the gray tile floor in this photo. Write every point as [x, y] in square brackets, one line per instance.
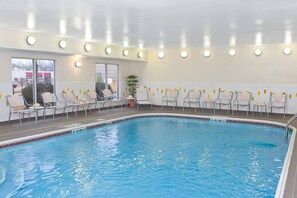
[16, 130]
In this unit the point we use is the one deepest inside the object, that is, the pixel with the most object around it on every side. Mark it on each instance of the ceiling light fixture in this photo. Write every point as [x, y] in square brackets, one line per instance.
[258, 52]
[31, 40]
[206, 53]
[232, 52]
[125, 52]
[77, 64]
[287, 51]
[88, 47]
[184, 54]
[108, 50]
[161, 55]
[62, 44]
[140, 54]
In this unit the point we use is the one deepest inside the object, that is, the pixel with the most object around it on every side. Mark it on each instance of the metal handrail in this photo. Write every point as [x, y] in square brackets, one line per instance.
[289, 122]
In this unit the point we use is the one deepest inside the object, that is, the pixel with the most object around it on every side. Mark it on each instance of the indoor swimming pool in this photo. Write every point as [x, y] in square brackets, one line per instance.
[149, 157]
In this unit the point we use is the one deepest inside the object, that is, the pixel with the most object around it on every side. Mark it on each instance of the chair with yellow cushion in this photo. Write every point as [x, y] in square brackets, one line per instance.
[18, 105]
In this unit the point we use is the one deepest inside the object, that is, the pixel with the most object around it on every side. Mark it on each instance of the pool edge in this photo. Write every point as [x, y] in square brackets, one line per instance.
[284, 173]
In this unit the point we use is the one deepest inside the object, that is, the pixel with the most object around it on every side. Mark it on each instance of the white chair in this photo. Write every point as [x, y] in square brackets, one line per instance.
[94, 98]
[243, 99]
[110, 99]
[18, 105]
[193, 97]
[76, 103]
[260, 104]
[142, 97]
[51, 102]
[278, 101]
[170, 97]
[224, 99]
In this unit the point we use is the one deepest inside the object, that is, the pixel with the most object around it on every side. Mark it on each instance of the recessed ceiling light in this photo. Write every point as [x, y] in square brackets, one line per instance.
[78, 64]
[206, 53]
[140, 54]
[108, 50]
[88, 47]
[125, 52]
[62, 44]
[161, 54]
[184, 54]
[232, 52]
[31, 40]
[258, 52]
[287, 51]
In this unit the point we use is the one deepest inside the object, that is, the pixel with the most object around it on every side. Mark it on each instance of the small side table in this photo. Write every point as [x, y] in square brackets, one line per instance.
[36, 109]
[260, 104]
[128, 100]
[210, 102]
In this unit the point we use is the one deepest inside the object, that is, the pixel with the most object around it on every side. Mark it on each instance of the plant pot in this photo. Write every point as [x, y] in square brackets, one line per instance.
[131, 103]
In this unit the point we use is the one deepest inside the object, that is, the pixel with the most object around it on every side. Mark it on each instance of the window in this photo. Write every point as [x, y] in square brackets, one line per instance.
[31, 77]
[107, 77]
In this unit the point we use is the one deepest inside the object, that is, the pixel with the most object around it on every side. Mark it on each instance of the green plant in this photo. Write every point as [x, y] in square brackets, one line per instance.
[132, 83]
[41, 87]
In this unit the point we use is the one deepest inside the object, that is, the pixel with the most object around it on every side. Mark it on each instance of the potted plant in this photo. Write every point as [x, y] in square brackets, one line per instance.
[132, 81]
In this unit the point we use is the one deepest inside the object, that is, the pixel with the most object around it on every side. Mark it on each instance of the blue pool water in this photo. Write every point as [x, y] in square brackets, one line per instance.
[148, 157]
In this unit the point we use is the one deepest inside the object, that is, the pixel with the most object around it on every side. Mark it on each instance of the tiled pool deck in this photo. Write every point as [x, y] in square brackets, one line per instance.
[16, 130]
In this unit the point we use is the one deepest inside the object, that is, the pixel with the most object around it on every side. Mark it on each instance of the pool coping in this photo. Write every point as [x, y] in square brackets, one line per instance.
[284, 173]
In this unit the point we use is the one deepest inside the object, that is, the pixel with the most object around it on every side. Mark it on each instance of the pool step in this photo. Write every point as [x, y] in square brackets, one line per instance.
[219, 119]
[78, 129]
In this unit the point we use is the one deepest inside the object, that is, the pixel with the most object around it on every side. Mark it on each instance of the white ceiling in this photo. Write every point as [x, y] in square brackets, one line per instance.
[157, 23]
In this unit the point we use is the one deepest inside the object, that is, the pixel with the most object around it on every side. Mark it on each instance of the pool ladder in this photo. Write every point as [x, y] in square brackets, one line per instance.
[289, 122]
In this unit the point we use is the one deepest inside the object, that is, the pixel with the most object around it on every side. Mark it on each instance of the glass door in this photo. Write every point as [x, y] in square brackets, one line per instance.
[31, 77]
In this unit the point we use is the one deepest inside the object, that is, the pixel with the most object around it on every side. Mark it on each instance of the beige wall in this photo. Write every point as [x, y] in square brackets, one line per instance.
[273, 71]
[67, 75]
[271, 67]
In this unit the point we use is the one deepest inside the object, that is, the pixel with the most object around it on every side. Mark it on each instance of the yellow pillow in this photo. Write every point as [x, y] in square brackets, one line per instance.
[19, 108]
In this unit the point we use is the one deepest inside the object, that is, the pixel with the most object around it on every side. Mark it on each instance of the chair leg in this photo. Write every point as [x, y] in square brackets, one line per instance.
[9, 117]
[76, 108]
[44, 114]
[85, 109]
[65, 111]
[20, 118]
[23, 115]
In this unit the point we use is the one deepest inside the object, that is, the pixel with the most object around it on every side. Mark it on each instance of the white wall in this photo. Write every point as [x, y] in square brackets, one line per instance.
[271, 72]
[67, 76]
